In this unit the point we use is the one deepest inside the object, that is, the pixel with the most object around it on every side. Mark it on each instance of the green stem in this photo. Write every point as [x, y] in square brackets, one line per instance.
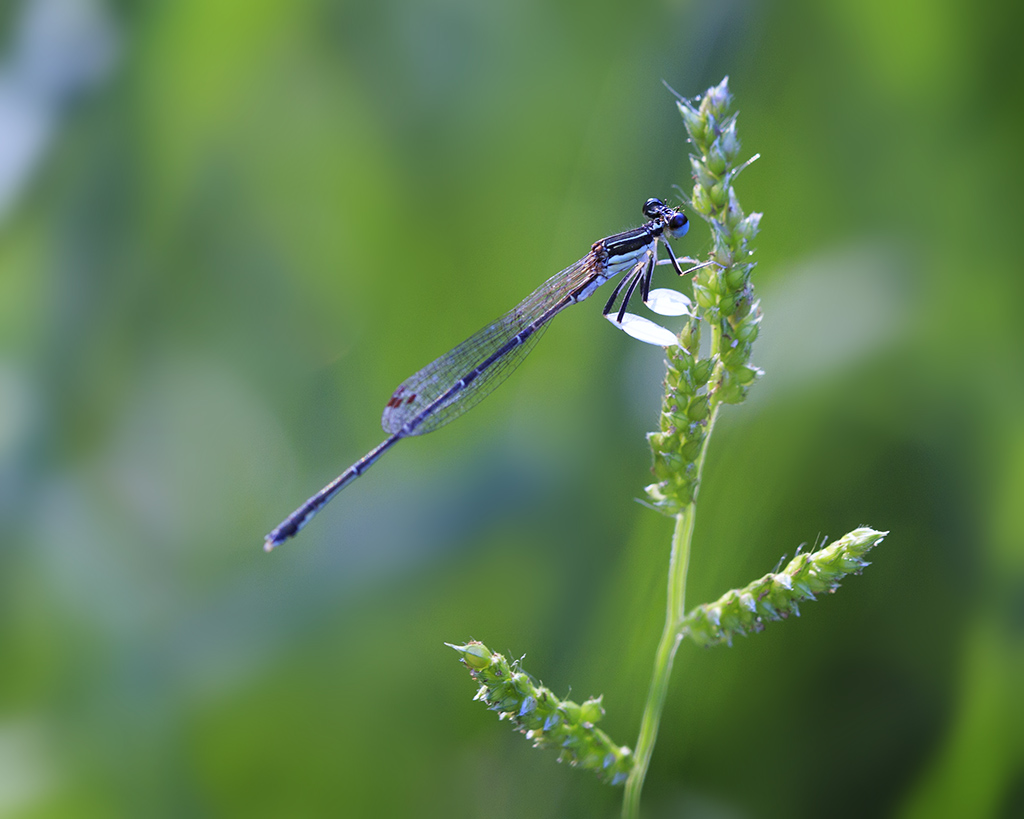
[724, 299]
[670, 637]
[675, 609]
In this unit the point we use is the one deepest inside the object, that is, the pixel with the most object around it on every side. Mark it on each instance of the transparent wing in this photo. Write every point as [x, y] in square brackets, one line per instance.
[419, 391]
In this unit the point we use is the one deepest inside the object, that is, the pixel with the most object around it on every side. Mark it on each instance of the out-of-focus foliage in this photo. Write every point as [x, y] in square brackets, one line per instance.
[228, 230]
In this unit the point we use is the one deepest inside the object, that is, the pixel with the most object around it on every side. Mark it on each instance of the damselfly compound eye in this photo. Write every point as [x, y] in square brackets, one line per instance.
[652, 207]
[677, 222]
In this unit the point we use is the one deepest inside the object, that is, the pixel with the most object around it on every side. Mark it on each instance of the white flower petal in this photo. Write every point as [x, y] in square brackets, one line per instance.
[667, 302]
[644, 330]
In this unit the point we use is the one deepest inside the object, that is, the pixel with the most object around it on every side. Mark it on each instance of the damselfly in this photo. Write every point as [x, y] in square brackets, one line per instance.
[461, 378]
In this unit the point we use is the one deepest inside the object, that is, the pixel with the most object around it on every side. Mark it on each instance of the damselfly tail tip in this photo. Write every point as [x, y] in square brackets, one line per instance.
[269, 543]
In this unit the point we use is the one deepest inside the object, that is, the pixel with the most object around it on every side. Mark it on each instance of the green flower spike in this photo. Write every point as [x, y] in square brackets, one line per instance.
[695, 387]
[699, 380]
[775, 596]
[546, 720]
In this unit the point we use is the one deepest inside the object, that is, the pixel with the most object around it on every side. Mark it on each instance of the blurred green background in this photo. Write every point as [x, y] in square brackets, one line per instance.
[228, 230]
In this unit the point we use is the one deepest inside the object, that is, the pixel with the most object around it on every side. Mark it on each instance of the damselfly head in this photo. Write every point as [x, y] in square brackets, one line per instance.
[674, 221]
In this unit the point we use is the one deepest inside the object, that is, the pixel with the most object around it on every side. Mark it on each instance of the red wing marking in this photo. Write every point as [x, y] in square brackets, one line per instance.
[399, 398]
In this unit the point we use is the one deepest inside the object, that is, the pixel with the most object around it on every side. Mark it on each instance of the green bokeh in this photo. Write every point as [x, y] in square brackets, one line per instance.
[275, 211]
